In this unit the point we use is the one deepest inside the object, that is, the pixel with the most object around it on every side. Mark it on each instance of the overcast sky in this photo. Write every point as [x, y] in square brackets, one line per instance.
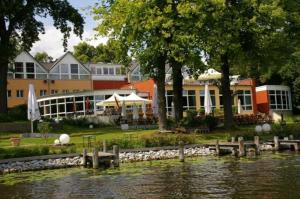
[51, 41]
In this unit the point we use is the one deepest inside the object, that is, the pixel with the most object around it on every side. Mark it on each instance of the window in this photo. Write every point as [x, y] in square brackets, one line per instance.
[189, 100]
[65, 91]
[169, 100]
[19, 71]
[118, 71]
[8, 93]
[212, 97]
[54, 92]
[105, 71]
[111, 71]
[99, 71]
[245, 97]
[279, 100]
[20, 93]
[74, 71]
[43, 92]
[64, 68]
[30, 70]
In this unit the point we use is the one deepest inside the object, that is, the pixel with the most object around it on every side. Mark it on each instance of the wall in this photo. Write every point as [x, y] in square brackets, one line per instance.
[98, 85]
[262, 101]
[23, 84]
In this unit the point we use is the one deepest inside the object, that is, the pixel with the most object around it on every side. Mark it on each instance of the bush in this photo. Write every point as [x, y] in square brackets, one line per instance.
[18, 113]
[211, 122]
[23, 152]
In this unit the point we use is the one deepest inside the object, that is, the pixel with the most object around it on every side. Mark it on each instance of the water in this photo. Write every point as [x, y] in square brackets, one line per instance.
[268, 176]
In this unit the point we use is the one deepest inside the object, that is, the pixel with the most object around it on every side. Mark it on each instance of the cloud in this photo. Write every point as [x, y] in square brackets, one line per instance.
[51, 41]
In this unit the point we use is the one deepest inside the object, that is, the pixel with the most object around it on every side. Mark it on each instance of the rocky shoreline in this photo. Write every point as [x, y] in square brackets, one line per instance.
[125, 157]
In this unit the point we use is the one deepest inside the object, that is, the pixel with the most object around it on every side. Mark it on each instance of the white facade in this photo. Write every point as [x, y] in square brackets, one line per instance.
[107, 71]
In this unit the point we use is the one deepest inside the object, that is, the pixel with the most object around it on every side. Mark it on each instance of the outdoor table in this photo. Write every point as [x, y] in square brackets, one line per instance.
[88, 139]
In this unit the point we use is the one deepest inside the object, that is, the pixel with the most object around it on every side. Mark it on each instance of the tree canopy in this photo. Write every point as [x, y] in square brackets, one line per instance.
[20, 28]
[113, 52]
[43, 57]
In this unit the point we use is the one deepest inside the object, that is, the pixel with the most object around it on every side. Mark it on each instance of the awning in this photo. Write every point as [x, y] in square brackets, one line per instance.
[113, 100]
[135, 99]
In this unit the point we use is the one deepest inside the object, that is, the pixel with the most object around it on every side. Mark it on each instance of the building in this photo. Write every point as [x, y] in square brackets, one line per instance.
[67, 86]
[274, 100]
[65, 75]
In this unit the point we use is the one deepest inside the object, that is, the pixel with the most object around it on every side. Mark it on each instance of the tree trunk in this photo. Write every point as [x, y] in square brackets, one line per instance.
[3, 84]
[177, 89]
[228, 117]
[161, 94]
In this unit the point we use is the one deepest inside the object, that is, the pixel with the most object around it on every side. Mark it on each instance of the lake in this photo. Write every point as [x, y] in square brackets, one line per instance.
[271, 175]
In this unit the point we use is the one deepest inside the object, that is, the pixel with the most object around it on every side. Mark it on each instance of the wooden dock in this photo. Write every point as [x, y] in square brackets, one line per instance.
[99, 158]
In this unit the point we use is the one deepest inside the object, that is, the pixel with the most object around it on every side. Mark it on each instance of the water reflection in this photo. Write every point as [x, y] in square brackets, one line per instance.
[268, 176]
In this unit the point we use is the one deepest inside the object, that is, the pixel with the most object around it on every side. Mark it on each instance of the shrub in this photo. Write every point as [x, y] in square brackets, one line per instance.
[211, 122]
[17, 152]
[17, 113]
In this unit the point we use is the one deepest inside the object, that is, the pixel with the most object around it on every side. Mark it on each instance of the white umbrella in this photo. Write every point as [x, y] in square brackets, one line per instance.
[172, 110]
[135, 112]
[144, 110]
[239, 107]
[134, 99]
[123, 113]
[33, 112]
[111, 101]
[154, 101]
[207, 100]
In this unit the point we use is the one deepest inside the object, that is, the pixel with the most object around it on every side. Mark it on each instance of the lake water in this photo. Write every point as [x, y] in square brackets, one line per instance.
[271, 175]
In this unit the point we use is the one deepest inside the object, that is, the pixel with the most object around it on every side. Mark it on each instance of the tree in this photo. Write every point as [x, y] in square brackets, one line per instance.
[235, 33]
[20, 27]
[111, 52]
[43, 57]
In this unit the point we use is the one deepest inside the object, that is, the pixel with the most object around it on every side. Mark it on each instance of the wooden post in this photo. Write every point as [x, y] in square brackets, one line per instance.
[256, 142]
[291, 137]
[95, 159]
[84, 157]
[104, 146]
[116, 153]
[241, 146]
[217, 148]
[276, 143]
[232, 139]
[181, 151]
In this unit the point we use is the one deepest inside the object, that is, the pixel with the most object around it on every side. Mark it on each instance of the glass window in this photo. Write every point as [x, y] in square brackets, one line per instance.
[20, 93]
[74, 68]
[55, 70]
[82, 70]
[245, 97]
[30, 70]
[64, 68]
[111, 71]
[8, 93]
[279, 100]
[43, 92]
[99, 71]
[105, 71]
[212, 97]
[118, 71]
[54, 92]
[19, 67]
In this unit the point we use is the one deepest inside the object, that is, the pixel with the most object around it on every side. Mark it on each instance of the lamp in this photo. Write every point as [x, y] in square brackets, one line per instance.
[258, 129]
[266, 127]
[64, 138]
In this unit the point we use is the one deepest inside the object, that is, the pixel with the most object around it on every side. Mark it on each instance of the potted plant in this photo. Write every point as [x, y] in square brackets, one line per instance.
[15, 141]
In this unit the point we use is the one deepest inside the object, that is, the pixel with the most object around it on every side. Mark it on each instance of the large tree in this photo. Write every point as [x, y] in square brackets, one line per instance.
[234, 33]
[20, 28]
[111, 52]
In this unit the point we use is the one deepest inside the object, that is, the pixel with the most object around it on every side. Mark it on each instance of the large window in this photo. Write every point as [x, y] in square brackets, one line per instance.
[74, 71]
[189, 99]
[20, 93]
[245, 97]
[169, 100]
[19, 70]
[30, 70]
[212, 97]
[279, 100]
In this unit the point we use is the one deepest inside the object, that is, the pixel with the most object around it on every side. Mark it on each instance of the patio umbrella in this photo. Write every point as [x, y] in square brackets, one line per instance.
[207, 100]
[33, 112]
[154, 101]
[123, 113]
[135, 112]
[239, 107]
[144, 110]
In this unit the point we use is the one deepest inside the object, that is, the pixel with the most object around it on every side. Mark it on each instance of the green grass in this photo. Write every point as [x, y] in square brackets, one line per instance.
[137, 138]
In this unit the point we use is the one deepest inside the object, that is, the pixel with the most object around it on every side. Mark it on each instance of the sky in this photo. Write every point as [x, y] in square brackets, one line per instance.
[51, 41]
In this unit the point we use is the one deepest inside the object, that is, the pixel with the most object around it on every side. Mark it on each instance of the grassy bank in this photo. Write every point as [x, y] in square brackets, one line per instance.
[130, 139]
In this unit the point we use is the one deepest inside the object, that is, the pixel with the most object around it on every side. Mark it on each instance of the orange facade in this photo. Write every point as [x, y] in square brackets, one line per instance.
[106, 84]
[262, 101]
[18, 88]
